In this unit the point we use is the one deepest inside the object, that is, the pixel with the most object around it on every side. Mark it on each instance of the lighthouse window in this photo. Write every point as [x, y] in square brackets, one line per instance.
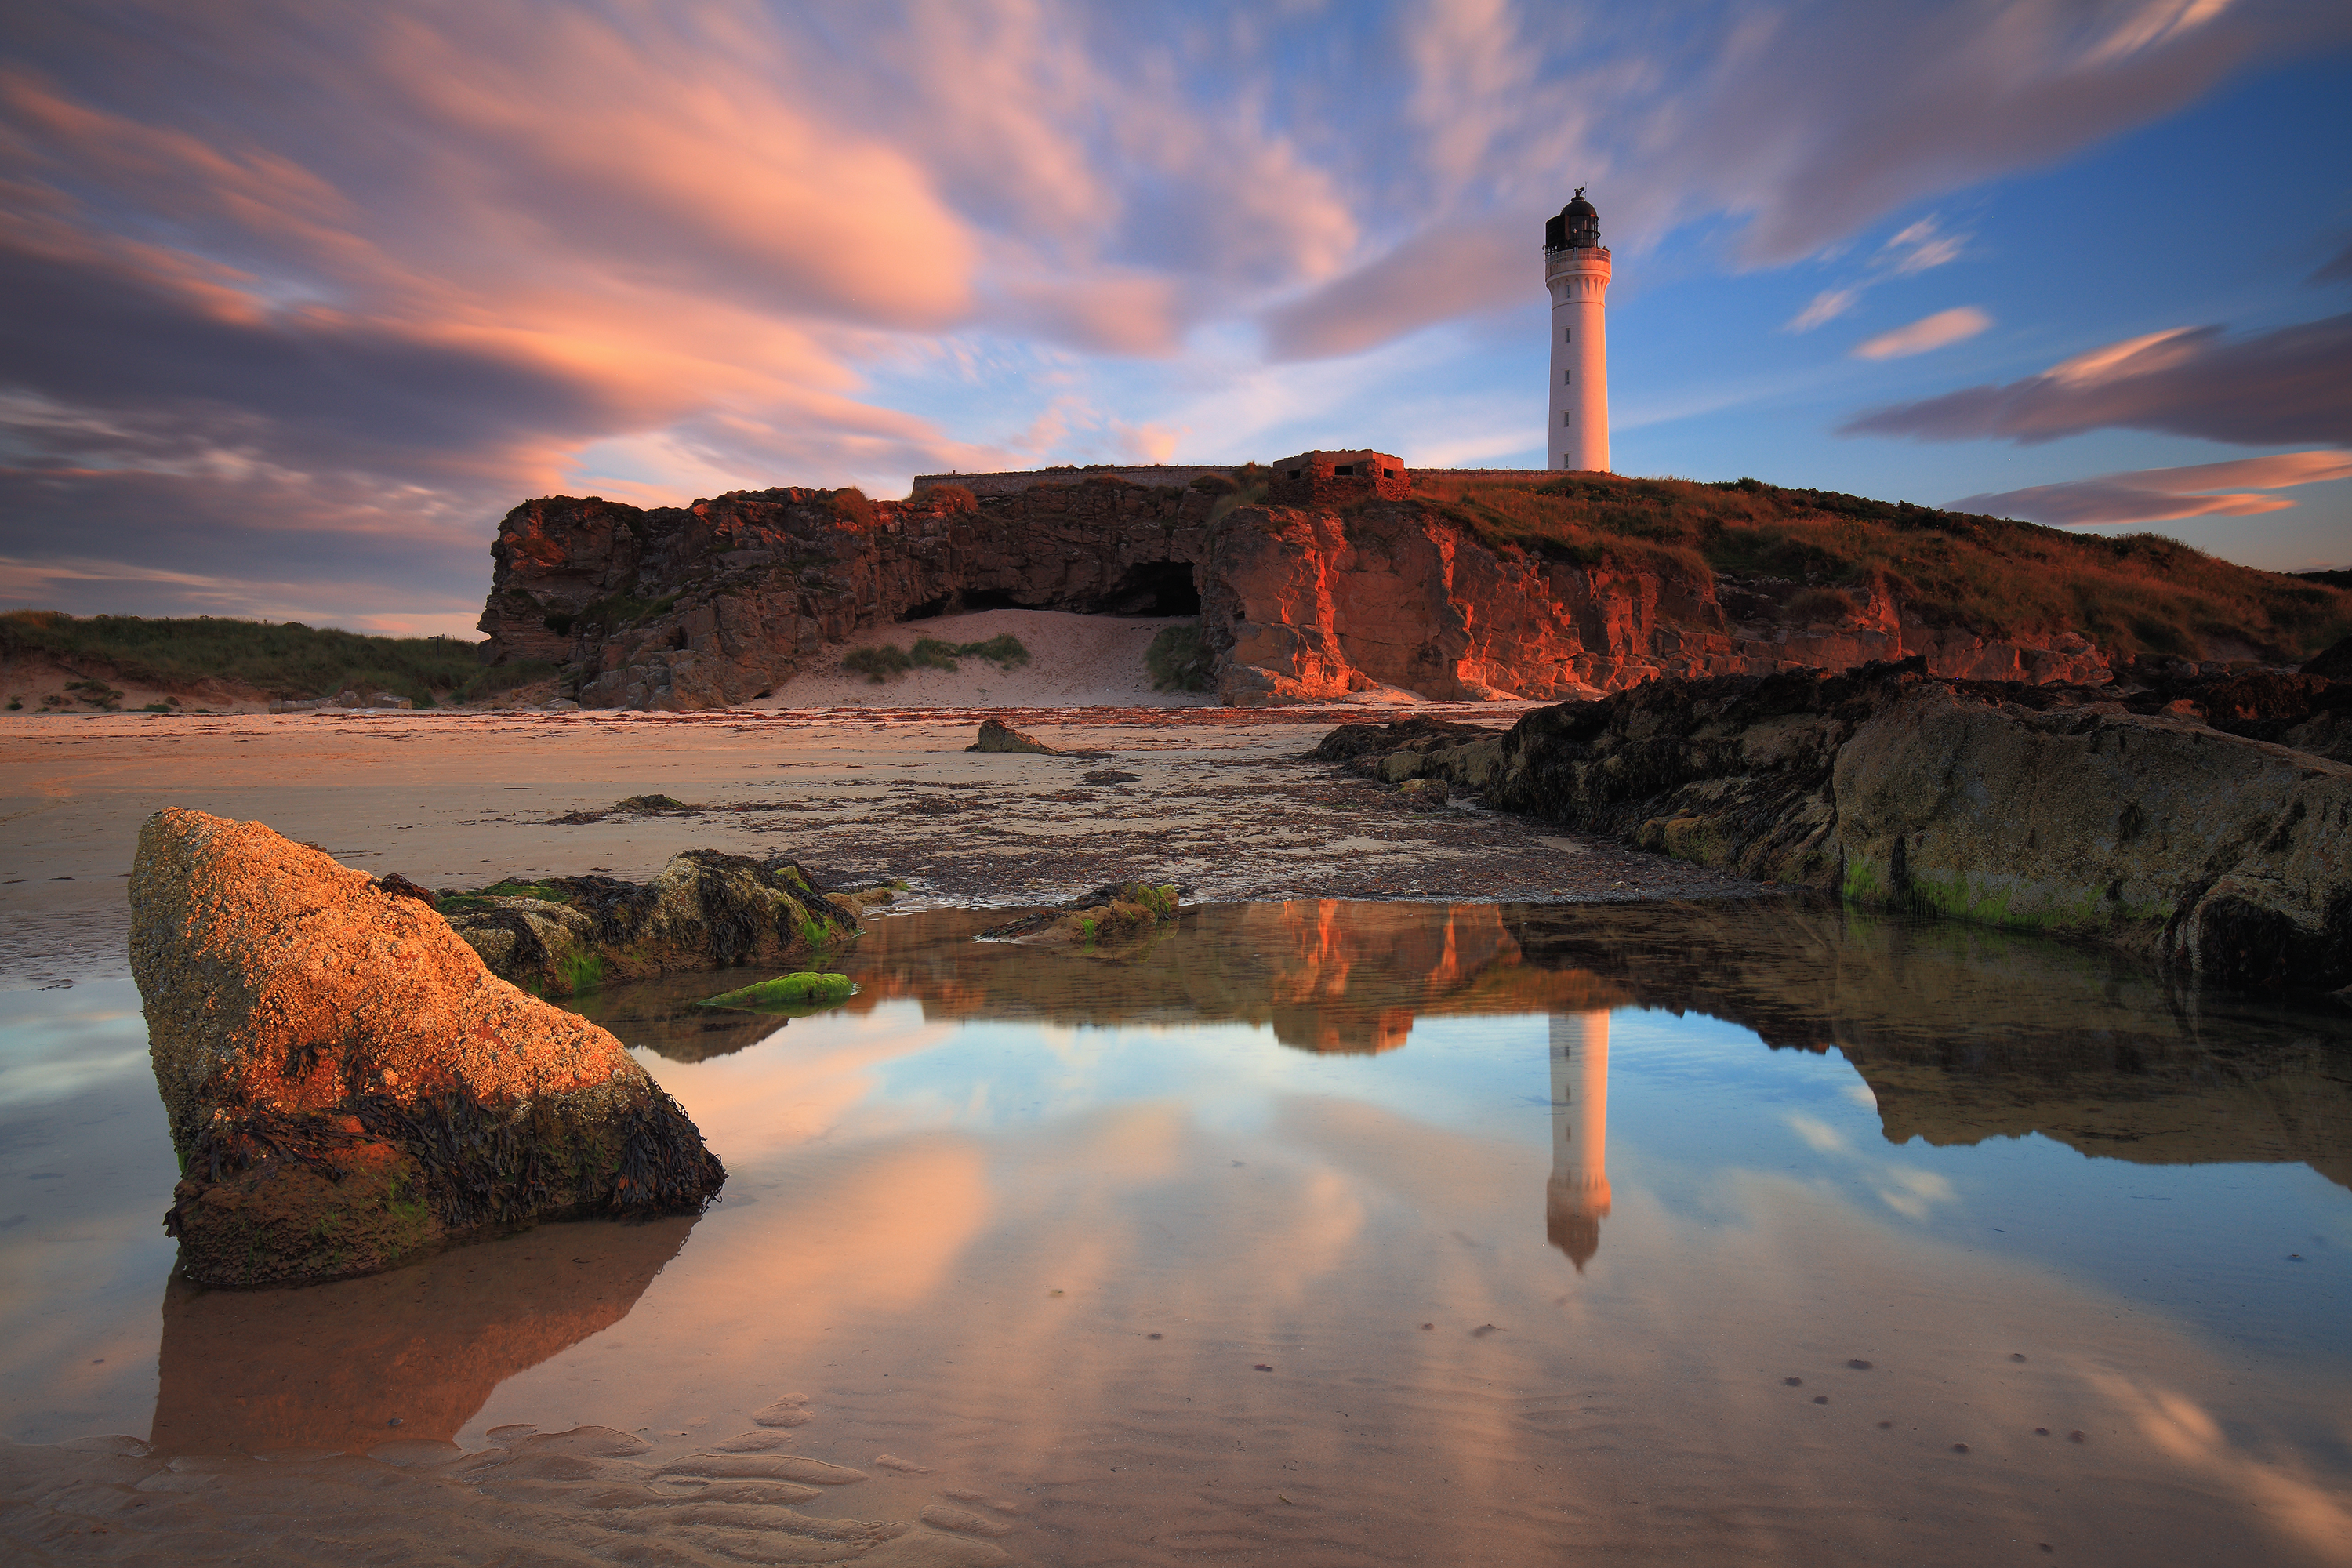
[1567, 376]
[1567, 418]
[1567, 335]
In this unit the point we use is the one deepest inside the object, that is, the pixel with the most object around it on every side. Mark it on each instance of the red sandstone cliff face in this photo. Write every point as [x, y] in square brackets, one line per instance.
[715, 603]
[1306, 606]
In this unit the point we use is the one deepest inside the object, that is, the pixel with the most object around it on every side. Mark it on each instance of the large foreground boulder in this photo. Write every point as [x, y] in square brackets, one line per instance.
[347, 1084]
[2023, 807]
[706, 910]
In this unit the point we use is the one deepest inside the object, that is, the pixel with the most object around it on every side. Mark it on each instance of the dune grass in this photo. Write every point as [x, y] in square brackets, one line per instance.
[887, 661]
[1993, 576]
[284, 658]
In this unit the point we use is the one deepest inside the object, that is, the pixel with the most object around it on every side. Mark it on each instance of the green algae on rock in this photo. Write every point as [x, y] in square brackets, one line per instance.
[706, 910]
[785, 990]
[348, 1085]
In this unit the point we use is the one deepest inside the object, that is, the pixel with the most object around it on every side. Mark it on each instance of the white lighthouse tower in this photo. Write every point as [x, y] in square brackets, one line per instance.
[1575, 1199]
[1576, 270]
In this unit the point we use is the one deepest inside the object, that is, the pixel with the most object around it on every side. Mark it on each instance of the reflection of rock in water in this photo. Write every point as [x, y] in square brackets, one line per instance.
[661, 1015]
[1964, 1033]
[1325, 976]
[329, 1366]
[1575, 1199]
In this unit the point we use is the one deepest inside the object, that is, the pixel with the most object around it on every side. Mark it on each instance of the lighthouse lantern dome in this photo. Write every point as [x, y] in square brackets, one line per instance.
[1578, 227]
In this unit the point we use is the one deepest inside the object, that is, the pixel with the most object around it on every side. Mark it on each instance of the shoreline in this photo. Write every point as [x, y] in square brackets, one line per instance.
[1224, 803]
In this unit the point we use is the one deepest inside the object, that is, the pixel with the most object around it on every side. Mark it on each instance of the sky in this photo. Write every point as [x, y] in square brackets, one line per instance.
[301, 297]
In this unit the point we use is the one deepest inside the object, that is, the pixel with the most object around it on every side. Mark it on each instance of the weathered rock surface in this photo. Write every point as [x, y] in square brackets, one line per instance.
[2334, 661]
[706, 910]
[995, 735]
[2307, 710]
[715, 603]
[2039, 809]
[1311, 606]
[1114, 915]
[348, 1086]
[692, 608]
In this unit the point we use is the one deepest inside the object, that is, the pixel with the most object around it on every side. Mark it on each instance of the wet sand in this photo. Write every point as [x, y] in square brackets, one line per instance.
[1224, 802]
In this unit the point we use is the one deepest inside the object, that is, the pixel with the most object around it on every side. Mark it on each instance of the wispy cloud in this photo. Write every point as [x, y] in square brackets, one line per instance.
[1938, 330]
[1826, 306]
[1917, 248]
[2291, 384]
[1920, 247]
[2159, 495]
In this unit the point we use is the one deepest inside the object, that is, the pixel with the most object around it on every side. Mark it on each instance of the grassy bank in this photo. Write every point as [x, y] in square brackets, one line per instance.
[2137, 594]
[283, 659]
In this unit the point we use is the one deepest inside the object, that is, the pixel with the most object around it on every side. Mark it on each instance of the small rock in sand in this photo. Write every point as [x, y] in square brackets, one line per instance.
[997, 736]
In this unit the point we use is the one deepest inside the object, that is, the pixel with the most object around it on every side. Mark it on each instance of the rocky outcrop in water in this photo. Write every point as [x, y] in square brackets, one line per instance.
[2048, 809]
[706, 910]
[1307, 593]
[348, 1086]
[1106, 917]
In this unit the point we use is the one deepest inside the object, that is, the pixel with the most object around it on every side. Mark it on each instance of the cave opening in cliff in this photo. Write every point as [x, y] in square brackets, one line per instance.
[1153, 588]
[1146, 588]
[968, 601]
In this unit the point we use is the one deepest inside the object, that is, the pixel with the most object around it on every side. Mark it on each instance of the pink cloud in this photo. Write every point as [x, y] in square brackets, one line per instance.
[2291, 384]
[1938, 330]
[2159, 495]
[1436, 275]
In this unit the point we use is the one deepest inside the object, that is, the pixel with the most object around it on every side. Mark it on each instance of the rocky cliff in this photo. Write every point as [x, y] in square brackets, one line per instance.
[700, 606]
[1458, 590]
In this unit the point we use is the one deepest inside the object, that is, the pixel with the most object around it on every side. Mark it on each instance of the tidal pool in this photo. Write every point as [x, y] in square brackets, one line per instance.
[1349, 1233]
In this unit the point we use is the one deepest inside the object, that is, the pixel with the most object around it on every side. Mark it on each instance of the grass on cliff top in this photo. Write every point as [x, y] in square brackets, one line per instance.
[284, 658]
[2138, 593]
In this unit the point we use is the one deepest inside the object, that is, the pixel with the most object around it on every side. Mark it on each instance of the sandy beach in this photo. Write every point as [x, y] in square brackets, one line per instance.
[1222, 802]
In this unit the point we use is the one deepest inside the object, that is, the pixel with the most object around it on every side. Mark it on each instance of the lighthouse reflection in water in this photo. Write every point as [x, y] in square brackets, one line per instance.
[1575, 1199]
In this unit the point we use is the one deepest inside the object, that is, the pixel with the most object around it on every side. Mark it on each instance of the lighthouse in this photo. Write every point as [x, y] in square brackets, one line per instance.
[1575, 1199]
[1576, 270]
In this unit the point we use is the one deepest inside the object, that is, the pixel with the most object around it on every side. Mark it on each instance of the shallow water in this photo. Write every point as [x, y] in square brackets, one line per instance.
[1356, 1233]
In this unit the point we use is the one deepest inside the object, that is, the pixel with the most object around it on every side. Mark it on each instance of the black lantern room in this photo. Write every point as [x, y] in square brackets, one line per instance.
[1578, 227]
